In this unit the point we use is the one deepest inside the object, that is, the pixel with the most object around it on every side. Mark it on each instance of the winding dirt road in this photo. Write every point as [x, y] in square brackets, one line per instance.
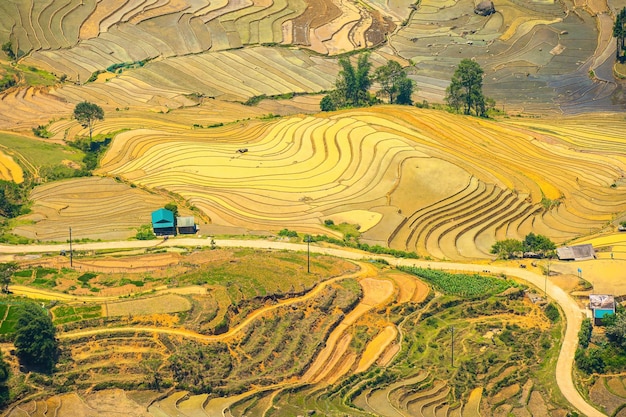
[364, 271]
[572, 312]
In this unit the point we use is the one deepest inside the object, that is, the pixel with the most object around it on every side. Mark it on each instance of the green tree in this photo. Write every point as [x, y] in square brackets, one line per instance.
[466, 88]
[507, 248]
[7, 47]
[394, 83]
[35, 339]
[13, 198]
[328, 103]
[584, 335]
[352, 85]
[145, 233]
[616, 330]
[539, 244]
[406, 86]
[619, 32]
[87, 113]
[172, 207]
[7, 270]
[4, 377]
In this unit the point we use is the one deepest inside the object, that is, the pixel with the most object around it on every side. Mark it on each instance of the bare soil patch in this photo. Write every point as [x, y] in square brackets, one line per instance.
[168, 303]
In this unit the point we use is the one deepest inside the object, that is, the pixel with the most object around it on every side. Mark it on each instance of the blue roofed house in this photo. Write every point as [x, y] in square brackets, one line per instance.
[601, 305]
[163, 222]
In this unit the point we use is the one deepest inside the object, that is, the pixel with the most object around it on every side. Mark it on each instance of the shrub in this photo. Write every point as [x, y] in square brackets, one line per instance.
[41, 131]
[288, 233]
[584, 335]
[552, 312]
[145, 233]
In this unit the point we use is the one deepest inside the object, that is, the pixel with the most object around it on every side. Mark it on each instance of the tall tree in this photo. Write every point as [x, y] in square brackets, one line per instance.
[87, 113]
[394, 83]
[4, 377]
[619, 32]
[351, 87]
[7, 270]
[466, 88]
[35, 339]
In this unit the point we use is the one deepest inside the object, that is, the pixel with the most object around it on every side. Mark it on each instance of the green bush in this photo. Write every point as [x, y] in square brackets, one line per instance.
[41, 131]
[288, 233]
[552, 312]
[84, 278]
[145, 233]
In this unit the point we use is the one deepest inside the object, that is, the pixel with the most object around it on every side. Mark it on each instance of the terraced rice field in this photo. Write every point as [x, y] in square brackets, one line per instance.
[502, 179]
[9, 169]
[80, 38]
[98, 208]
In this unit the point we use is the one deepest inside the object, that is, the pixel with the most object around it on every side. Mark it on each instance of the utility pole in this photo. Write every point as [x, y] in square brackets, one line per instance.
[308, 254]
[545, 285]
[71, 254]
[452, 361]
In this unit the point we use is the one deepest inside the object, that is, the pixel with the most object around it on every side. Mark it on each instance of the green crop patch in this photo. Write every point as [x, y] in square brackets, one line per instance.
[40, 153]
[68, 314]
[43, 272]
[10, 321]
[84, 278]
[461, 284]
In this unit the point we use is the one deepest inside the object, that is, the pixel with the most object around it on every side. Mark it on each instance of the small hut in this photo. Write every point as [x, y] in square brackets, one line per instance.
[163, 222]
[485, 8]
[576, 253]
[186, 225]
[601, 305]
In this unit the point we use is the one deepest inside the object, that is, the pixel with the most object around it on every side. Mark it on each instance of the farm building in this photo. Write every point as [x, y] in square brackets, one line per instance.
[163, 222]
[186, 225]
[576, 253]
[601, 306]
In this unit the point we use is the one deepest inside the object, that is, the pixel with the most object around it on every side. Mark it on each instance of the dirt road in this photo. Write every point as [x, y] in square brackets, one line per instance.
[573, 314]
[363, 272]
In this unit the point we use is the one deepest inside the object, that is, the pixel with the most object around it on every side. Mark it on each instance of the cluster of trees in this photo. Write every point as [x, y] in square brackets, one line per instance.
[353, 85]
[352, 88]
[619, 32]
[35, 342]
[603, 355]
[512, 248]
[7, 48]
[13, 198]
[466, 90]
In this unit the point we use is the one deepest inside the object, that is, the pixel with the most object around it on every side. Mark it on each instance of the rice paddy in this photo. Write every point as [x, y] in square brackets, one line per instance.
[186, 85]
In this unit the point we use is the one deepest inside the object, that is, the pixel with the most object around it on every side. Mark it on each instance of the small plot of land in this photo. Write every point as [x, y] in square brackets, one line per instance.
[9, 169]
[97, 208]
[168, 303]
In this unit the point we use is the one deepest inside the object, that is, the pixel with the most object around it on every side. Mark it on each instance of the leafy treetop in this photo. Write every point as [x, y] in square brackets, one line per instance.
[35, 339]
[87, 113]
[7, 270]
[511, 248]
[353, 84]
[466, 89]
[619, 32]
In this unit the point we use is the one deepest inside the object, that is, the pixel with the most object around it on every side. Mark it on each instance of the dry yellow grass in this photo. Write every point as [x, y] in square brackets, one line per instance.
[376, 347]
[10, 170]
[167, 303]
[472, 408]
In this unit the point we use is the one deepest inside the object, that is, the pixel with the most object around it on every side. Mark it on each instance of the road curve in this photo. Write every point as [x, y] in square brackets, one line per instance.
[573, 314]
[364, 271]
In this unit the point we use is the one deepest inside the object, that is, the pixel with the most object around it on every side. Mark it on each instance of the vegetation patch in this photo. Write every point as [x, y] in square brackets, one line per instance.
[72, 313]
[461, 284]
